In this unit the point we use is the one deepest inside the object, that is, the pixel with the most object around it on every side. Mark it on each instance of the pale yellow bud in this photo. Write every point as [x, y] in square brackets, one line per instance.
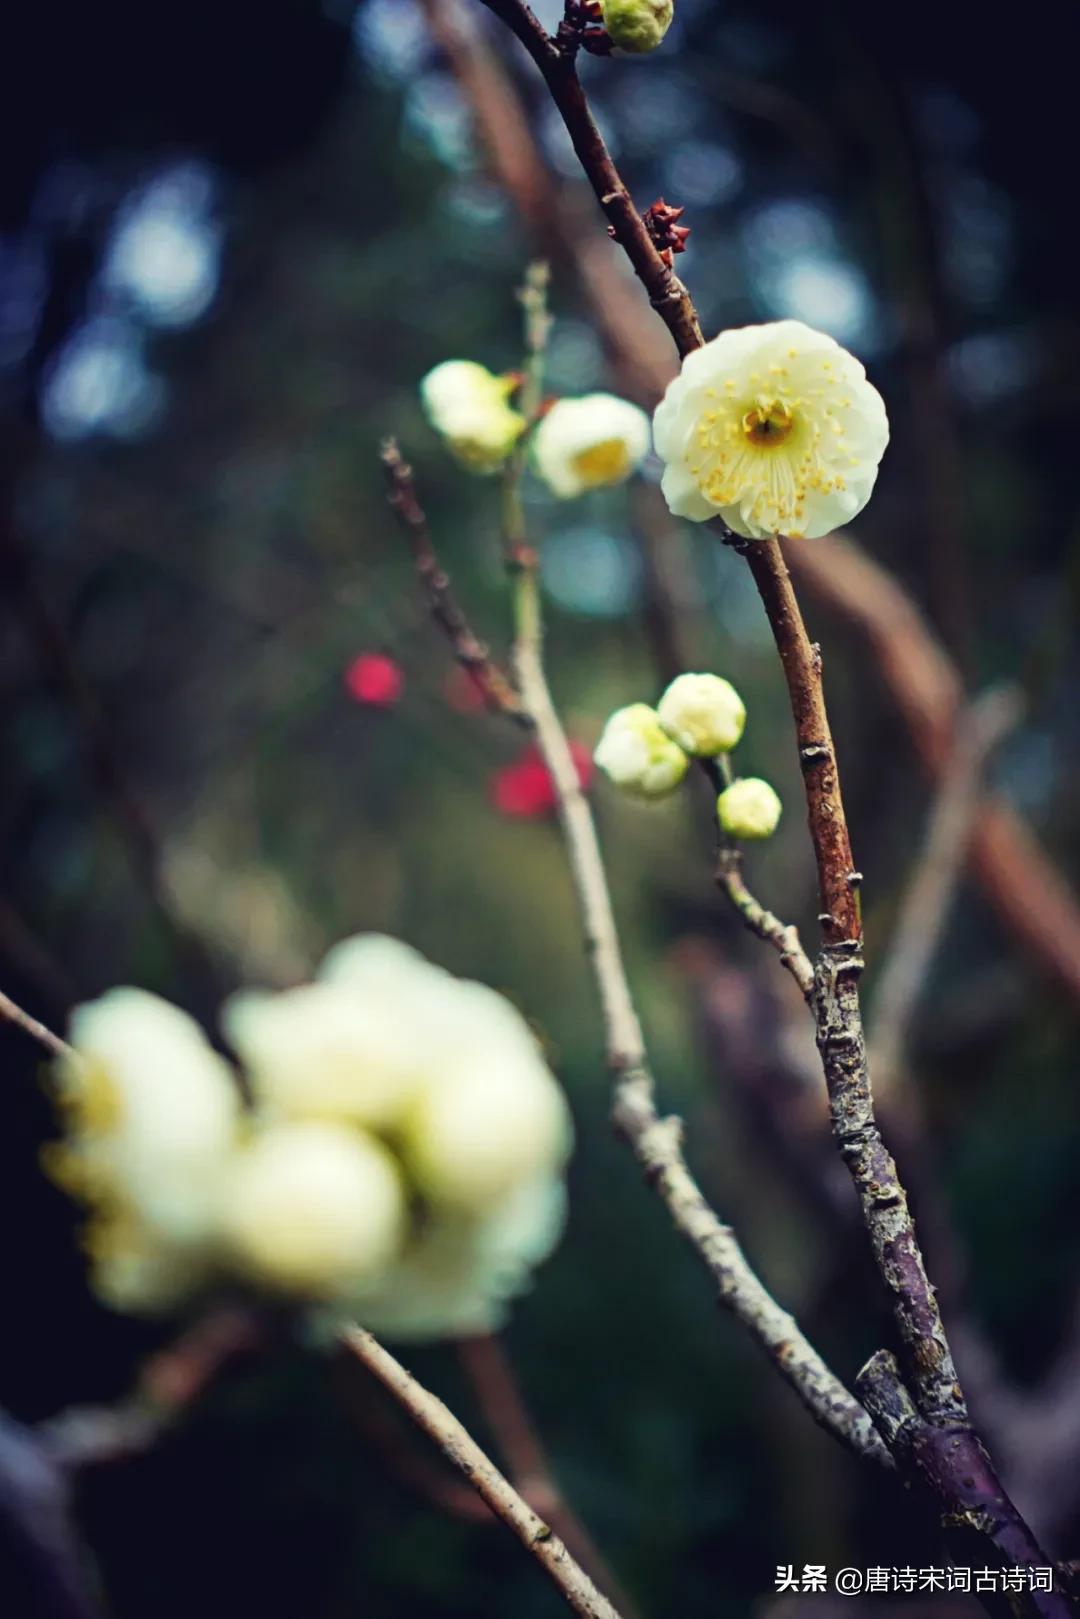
[638, 755]
[467, 405]
[637, 25]
[749, 808]
[313, 1209]
[702, 713]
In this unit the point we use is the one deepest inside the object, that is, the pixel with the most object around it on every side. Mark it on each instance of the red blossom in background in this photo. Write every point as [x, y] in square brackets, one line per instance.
[525, 789]
[374, 679]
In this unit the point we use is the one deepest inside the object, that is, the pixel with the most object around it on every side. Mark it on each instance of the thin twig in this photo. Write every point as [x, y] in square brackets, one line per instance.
[442, 1427]
[925, 905]
[172, 1381]
[469, 650]
[555, 59]
[782, 936]
[657, 1142]
[490, 1371]
[36, 1030]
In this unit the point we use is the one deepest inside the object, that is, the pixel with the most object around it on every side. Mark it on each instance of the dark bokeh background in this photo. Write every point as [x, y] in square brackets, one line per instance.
[234, 237]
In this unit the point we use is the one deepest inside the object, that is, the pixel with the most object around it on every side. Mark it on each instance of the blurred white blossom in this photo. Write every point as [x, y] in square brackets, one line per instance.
[468, 406]
[151, 1115]
[314, 1208]
[589, 443]
[402, 1155]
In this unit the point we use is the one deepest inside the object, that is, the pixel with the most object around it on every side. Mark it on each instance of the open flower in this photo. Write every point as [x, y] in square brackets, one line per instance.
[638, 755]
[589, 443]
[773, 428]
[468, 405]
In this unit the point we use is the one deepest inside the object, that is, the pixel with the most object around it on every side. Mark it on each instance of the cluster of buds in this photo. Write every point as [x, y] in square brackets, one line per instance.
[402, 1155]
[591, 442]
[647, 751]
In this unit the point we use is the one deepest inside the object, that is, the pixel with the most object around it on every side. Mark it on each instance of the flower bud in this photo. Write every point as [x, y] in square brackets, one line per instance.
[636, 25]
[702, 713]
[749, 808]
[590, 443]
[318, 1051]
[467, 405]
[491, 1120]
[313, 1209]
[638, 755]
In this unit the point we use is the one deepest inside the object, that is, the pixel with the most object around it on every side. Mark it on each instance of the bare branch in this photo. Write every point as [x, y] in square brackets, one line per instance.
[783, 936]
[442, 1427]
[925, 906]
[37, 1031]
[469, 650]
[555, 59]
[490, 1371]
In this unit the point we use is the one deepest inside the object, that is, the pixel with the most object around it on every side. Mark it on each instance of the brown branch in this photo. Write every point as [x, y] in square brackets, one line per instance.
[932, 885]
[783, 936]
[172, 1381]
[469, 650]
[838, 880]
[490, 1372]
[555, 59]
[944, 1457]
[442, 1427]
[957, 1469]
[37, 1031]
[1028, 892]
[1030, 895]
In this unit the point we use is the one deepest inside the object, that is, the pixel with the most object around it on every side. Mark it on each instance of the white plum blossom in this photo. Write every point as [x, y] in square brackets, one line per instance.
[749, 809]
[638, 755]
[314, 1209]
[589, 443]
[772, 428]
[636, 26]
[460, 1272]
[404, 1145]
[314, 1052]
[703, 713]
[478, 1130]
[151, 1115]
[469, 407]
